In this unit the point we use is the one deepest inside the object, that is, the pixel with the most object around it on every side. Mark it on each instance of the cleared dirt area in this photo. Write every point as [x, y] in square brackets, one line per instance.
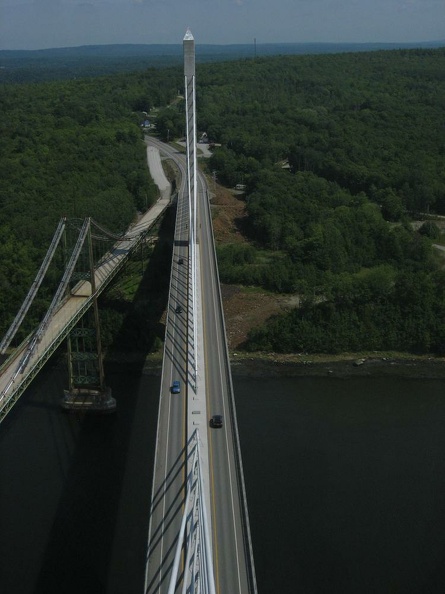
[244, 307]
[244, 310]
[229, 215]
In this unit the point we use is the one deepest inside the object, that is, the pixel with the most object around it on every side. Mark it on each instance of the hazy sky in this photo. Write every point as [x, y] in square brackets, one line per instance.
[38, 24]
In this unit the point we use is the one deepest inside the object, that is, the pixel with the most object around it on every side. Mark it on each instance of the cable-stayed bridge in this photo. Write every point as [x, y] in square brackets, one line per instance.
[196, 356]
[205, 390]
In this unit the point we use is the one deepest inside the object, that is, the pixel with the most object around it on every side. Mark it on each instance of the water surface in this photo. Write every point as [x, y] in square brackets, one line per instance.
[345, 483]
[344, 477]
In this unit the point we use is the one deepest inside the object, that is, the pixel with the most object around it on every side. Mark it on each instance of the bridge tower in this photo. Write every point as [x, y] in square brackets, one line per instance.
[87, 390]
[190, 114]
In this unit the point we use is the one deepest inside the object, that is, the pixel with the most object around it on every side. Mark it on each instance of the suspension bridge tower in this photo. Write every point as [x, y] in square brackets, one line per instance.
[87, 390]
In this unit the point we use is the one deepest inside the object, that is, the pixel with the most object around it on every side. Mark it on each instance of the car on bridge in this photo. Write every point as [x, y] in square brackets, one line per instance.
[216, 421]
[176, 387]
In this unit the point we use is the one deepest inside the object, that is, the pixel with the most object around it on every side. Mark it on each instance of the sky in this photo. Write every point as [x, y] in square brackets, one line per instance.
[41, 24]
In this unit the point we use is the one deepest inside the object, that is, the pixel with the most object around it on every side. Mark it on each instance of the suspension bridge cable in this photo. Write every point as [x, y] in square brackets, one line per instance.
[57, 297]
[6, 341]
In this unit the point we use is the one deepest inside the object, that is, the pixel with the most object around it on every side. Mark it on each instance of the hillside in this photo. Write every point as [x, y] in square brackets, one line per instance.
[95, 60]
[336, 154]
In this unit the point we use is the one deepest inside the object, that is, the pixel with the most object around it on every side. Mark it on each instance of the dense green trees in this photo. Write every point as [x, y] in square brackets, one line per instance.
[170, 122]
[360, 135]
[74, 149]
[375, 310]
[337, 153]
[365, 121]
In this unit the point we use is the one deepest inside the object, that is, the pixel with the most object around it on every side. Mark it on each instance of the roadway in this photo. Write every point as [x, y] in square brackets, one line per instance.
[230, 538]
[227, 514]
[168, 486]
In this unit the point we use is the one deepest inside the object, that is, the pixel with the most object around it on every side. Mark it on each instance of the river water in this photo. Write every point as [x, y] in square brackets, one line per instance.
[345, 482]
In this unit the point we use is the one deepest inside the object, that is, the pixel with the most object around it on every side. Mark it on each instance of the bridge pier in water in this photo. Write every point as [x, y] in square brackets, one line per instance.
[87, 390]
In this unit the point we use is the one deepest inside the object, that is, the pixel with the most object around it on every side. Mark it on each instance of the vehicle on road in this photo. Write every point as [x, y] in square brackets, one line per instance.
[176, 387]
[216, 421]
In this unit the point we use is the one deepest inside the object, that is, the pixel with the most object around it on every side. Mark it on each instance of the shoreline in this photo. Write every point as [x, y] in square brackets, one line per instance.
[412, 368]
[344, 366]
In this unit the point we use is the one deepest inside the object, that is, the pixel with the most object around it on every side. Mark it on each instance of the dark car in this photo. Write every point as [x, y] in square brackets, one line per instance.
[178, 309]
[176, 387]
[216, 421]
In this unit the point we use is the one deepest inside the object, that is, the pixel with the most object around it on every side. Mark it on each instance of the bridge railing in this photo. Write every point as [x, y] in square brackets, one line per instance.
[195, 528]
[8, 399]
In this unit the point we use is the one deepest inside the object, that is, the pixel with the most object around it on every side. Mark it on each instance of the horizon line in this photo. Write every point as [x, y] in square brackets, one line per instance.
[254, 41]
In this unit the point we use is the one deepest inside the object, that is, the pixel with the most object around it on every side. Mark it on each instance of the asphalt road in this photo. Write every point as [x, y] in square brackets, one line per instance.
[229, 546]
[170, 467]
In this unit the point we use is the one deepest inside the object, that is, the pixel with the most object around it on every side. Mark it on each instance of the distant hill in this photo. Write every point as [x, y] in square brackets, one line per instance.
[94, 60]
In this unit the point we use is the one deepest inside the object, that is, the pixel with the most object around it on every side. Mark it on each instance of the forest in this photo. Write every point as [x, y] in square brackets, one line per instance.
[25, 66]
[74, 149]
[338, 153]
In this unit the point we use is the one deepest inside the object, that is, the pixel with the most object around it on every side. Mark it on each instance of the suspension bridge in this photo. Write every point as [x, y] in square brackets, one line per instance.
[70, 303]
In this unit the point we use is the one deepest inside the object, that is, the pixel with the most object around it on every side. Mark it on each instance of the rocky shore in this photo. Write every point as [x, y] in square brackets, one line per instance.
[372, 366]
[345, 365]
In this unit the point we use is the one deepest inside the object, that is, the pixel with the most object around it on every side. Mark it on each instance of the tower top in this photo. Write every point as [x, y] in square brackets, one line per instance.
[189, 54]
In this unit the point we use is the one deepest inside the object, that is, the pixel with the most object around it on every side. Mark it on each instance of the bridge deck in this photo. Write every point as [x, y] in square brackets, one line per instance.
[181, 414]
